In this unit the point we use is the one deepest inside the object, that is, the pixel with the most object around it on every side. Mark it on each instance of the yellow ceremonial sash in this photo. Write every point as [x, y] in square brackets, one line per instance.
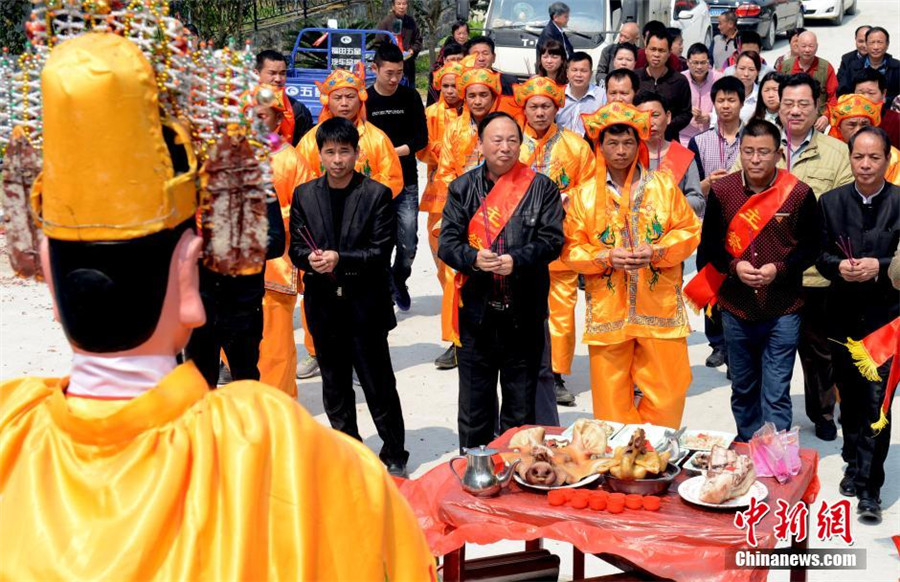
[754, 215]
[489, 221]
[677, 161]
[286, 129]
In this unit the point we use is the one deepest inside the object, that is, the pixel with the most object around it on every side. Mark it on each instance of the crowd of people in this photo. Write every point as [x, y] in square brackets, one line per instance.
[782, 179]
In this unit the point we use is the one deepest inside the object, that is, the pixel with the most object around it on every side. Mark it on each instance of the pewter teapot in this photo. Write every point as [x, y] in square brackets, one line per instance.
[479, 479]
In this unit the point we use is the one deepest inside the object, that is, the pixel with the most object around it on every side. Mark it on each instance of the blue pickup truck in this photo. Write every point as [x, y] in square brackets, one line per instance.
[318, 51]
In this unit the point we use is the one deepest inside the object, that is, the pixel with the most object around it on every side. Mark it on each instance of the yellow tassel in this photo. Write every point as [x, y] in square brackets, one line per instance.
[709, 308]
[694, 307]
[867, 366]
[882, 422]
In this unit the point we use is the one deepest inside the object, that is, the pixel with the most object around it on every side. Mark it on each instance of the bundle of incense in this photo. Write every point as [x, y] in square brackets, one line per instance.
[307, 237]
[846, 247]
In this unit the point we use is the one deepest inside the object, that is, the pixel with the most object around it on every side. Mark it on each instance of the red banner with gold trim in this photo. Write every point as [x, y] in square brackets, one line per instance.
[489, 220]
[746, 225]
[872, 352]
[677, 161]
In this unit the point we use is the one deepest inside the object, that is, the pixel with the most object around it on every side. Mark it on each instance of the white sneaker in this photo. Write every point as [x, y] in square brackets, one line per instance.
[308, 367]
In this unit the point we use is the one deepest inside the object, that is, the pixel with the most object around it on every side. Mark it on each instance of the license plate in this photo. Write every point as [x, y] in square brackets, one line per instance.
[716, 11]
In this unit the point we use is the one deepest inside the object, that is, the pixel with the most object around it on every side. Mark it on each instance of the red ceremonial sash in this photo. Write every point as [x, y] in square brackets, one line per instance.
[754, 215]
[870, 353]
[489, 220]
[677, 161]
[286, 129]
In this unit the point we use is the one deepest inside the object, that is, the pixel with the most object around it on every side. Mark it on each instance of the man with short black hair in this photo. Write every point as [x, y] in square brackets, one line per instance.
[485, 53]
[502, 226]
[342, 232]
[878, 40]
[582, 95]
[867, 214]
[857, 54]
[658, 28]
[700, 78]
[871, 84]
[760, 233]
[622, 85]
[398, 112]
[407, 32]
[724, 44]
[271, 66]
[660, 78]
[559, 19]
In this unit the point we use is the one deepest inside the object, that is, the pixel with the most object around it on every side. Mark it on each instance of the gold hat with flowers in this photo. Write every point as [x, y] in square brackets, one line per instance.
[343, 79]
[454, 68]
[540, 87]
[616, 113]
[486, 77]
[852, 106]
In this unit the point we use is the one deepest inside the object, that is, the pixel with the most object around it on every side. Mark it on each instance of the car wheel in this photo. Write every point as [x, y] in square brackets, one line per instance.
[852, 9]
[769, 39]
[839, 19]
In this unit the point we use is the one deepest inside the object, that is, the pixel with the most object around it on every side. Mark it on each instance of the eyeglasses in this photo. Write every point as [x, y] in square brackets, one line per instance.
[750, 153]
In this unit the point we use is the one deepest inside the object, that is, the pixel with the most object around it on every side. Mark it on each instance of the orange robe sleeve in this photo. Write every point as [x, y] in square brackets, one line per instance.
[383, 162]
[682, 234]
[184, 483]
[280, 273]
[308, 152]
[430, 154]
[582, 251]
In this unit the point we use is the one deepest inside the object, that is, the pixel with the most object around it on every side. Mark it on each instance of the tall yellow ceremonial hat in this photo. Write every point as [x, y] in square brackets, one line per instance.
[448, 69]
[616, 113]
[540, 87]
[852, 106]
[107, 171]
[486, 77]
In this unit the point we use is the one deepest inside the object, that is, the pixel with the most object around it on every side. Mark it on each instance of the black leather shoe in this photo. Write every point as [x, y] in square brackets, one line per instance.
[869, 509]
[716, 358]
[826, 430]
[563, 396]
[447, 360]
[847, 486]
[398, 470]
[401, 298]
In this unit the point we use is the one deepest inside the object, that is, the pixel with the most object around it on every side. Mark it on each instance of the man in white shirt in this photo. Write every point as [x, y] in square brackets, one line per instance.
[582, 96]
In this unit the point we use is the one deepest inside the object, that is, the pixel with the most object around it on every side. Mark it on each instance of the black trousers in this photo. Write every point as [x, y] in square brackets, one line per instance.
[814, 351]
[338, 353]
[861, 401]
[545, 410]
[712, 327]
[232, 327]
[497, 347]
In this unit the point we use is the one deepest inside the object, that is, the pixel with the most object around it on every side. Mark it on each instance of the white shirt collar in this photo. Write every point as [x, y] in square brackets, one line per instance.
[867, 200]
[117, 377]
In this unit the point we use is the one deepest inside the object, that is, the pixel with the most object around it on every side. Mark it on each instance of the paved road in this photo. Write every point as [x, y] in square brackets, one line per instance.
[31, 344]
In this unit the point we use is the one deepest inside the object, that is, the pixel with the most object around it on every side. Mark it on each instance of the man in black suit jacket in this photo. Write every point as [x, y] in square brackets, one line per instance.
[503, 300]
[877, 57]
[559, 19]
[857, 54]
[342, 232]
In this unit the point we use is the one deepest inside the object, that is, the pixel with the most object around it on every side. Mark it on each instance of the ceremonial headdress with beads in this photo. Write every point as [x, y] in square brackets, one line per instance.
[616, 113]
[449, 69]
[104, 92]
[540, 87]
[852, 106]
[486, 77]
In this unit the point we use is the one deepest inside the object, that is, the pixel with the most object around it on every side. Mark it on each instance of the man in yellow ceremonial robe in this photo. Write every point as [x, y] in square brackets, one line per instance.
[438, 117]
[567, 159]
[628, 232]
[853, 112]
[343, 94]
[132, 468]
[459, 153]
[277, 351]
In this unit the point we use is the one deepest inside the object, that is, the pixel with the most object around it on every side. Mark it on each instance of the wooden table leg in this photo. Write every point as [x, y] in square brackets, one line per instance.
[577, 564]
[454, 565]
[536, 544]
[798, 573]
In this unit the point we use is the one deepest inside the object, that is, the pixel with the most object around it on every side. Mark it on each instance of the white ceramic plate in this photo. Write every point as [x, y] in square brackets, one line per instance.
[542, 488]
[567, 434]
[690, 492]
[703, 440]
[655, 435]
[689, 464]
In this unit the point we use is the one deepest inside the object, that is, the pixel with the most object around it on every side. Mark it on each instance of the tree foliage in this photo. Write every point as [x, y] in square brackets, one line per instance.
[12, 19]
[217, 20]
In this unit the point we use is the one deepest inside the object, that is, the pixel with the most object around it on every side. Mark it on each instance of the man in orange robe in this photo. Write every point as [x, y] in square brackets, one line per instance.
[628, 232]
[567, 159]
[131, 468]
[277, 351]
[853, 112]
[343, 94]
[438, 117]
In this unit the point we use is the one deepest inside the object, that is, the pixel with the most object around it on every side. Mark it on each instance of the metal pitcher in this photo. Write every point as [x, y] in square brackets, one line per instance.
[479, 479]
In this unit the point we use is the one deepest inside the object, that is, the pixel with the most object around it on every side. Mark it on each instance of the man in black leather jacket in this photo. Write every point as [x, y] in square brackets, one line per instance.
[505, 280]
[342, 231]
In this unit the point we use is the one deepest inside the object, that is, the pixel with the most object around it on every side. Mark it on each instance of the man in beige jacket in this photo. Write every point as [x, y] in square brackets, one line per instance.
[823, 163]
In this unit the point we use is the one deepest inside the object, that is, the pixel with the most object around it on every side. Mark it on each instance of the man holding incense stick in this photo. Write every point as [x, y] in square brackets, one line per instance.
[342, 231]
[502, 226]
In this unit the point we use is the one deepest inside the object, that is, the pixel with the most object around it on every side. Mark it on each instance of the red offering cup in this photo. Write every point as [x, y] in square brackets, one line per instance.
[597, 503]
[556, 497]
[617, 498]
[579, 502]
[651, 503]
[634, 501]
[599, 493]
[568, 493]
[615, 507]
